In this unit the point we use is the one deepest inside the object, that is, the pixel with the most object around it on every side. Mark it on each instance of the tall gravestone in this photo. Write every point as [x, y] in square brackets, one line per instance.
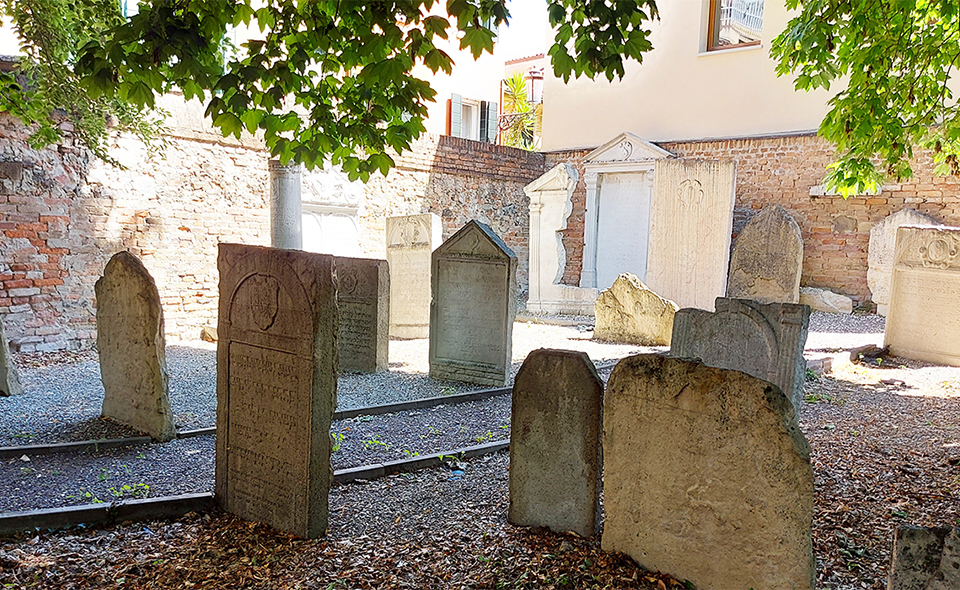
[924, 318]
[411, 240]
[763, 340]
[474, 284]
[691, 219]
[9, 377]
[363, 302]
[883, 241]
[131, 345]
[276, 386]
[630, 312]
[767, 259]
[555, 442]
[706, 476]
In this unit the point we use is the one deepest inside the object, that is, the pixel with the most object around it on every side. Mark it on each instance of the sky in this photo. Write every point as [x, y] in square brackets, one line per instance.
[527, 32]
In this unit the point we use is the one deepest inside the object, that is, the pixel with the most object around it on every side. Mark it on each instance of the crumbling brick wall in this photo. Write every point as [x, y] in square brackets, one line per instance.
[783, 169]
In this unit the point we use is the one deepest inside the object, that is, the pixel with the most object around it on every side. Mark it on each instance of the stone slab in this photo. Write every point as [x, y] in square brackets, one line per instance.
[630, 312]
[763, 340]
[411, 239]
[767, 258]
[474, 287]
[707, 476]
[276, 386]
[9, 377]
[363, 302]
[883, 240]
[825, 300]
[131, 346]
[555, 460]
[691, 220]
[925, 559]
[924, 318]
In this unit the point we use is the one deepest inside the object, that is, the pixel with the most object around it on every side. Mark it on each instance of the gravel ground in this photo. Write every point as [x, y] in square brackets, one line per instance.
[885, 449]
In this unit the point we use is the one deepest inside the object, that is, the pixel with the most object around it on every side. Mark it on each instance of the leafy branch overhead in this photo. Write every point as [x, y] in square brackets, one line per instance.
[896, 59]
[332, 79]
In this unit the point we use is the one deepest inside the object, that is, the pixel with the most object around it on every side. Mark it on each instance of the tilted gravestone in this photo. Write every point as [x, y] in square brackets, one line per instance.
[411, 240]
[706, 476]
[767, 259]
[925, 559]
[474, 283]
[555, 443]
[883, 241]
[763, 340]
[630, 312]
[9, 377]
[363, 303]
[276, 386]
[131, 345]
[691, 219]
[924, 318]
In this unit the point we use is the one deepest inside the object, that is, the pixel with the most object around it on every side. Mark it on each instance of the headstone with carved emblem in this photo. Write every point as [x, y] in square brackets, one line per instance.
[363, 303]
[474, 284]
[411, 240]
[276, 386]
[923, 322]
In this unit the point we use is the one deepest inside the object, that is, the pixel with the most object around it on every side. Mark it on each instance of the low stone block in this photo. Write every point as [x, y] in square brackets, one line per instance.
[763, 340]
[555, 443]
[767, 258]
[363, 302]
[9, 377]
[131, 345]
[630, 312]
[706, 476]
[208, 334]
[825, 300]
[925, 559]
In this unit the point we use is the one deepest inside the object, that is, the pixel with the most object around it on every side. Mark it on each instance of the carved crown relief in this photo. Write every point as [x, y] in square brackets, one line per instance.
[626, 147]
[929, 246]
[331, 187]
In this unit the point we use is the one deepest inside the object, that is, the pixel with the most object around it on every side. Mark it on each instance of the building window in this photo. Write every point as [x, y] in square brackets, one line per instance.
[734, 23]
[472, 119]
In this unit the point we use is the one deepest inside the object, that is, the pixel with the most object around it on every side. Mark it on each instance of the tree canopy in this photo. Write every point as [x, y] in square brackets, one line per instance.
[321, 80]
[897, 58]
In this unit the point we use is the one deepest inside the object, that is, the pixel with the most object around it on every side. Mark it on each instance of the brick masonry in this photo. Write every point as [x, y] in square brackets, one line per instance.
[63, 215]
[782, 170]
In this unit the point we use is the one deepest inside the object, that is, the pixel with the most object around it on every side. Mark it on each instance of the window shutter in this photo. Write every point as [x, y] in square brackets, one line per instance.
[488, 121]
[456, 115]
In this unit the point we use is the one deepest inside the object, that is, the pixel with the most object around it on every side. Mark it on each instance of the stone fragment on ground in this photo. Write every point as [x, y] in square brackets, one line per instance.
[630, 312]
[825, 300]
[925, 559]
[9, 377]
[131, 346]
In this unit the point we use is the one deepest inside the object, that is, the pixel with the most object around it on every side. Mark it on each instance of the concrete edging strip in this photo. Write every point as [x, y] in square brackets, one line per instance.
[175, 506]
[419, 404]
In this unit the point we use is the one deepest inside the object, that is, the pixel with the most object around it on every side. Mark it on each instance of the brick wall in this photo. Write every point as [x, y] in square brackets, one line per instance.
[63, 216]
[836, 231]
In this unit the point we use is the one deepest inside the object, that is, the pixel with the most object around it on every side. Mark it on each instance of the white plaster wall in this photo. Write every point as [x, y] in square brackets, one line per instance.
[682, 92]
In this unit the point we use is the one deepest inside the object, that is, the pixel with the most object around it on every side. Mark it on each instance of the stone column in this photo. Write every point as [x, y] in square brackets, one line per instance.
[534, 271]
[285, 211]
[588, 274]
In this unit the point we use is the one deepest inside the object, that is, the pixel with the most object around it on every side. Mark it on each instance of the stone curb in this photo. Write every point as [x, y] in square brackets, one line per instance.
[176, 506]
[427, 402]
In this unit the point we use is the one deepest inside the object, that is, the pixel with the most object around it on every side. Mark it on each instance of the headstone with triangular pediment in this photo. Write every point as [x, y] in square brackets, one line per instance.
[474, 287]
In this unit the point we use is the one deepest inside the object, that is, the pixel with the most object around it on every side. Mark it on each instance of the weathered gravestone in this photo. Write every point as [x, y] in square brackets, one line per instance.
[411, 240]
[555, 442]
[763, 340]
[630, 312]
[363, 302]
[131, 345]
[706, 476]
[883, 240]
[925, 559]
[691, 219]
[923, 322]
[474, 283]
[9, 377]
[276, 386]
[767, 259]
